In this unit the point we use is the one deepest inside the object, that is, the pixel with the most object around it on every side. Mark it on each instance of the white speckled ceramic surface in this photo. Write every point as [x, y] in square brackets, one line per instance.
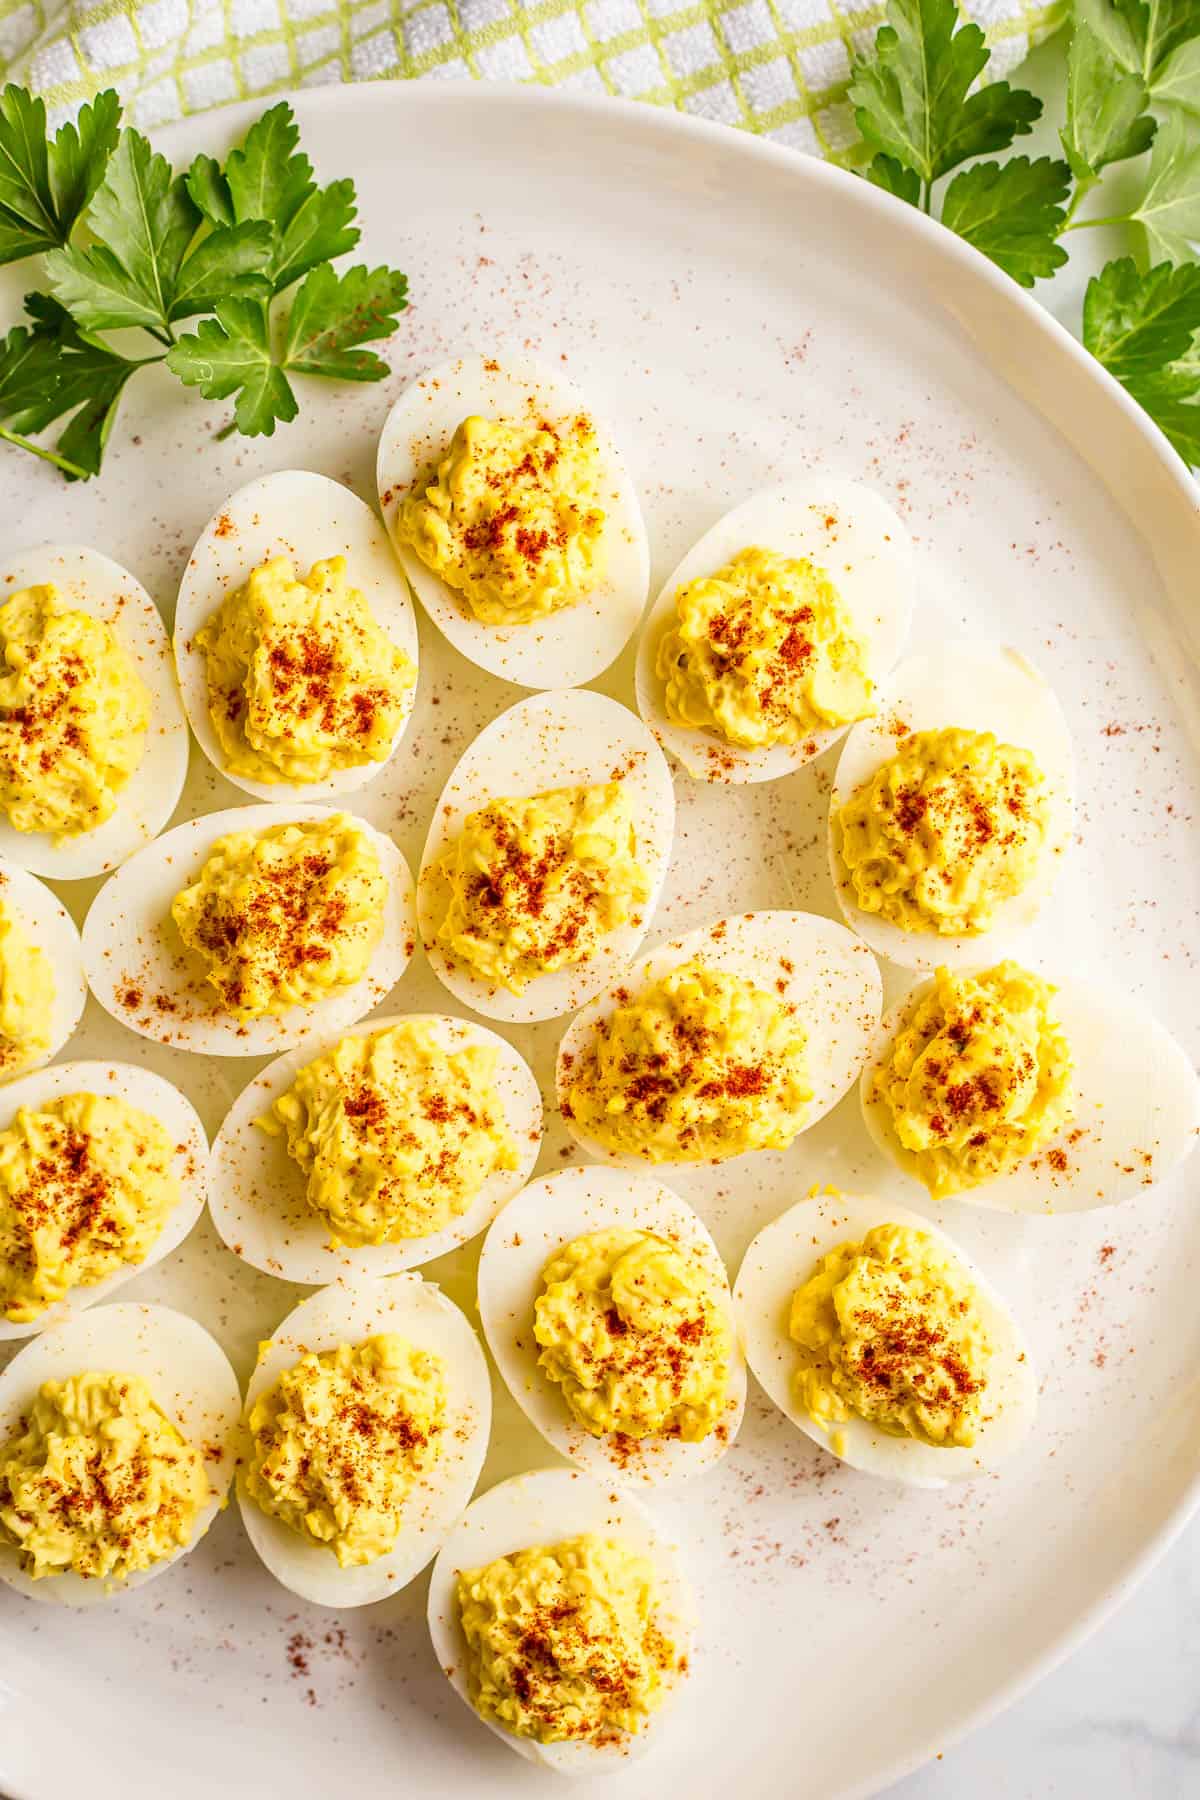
[741, 317]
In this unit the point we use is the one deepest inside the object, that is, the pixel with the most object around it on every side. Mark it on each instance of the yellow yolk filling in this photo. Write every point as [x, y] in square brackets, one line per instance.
[286, 916]
[98, 1482]
[763, 652]
[73, 716]
[946, 830]
[700, 1065]
[27, 994]
[86, 1185]
[395, 1134]
[338, 1442]
[563, 1641]
[302, 681]
[535, 883]
[632, 1328]
[889, 1331]
[511, 520]
[978, 1078]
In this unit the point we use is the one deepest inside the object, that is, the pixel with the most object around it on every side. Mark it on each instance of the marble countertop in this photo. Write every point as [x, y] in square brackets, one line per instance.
[1120, 1719]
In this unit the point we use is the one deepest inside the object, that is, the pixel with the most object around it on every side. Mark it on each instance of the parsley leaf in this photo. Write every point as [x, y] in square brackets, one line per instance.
[887, 173]
[1179, 82]
[1013, 212]
[332, 314]
[52, 369]
[1136, 324]
[1170, 207]
[1106, 120]
[1172, 400]
[45, 183]
[147, 270]
[268, 177]
[231, 355]
[913, 101]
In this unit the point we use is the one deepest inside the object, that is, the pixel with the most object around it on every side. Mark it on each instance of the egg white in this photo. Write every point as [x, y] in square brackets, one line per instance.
[833, 982]
[92, 583]
[530, 1230]
[257, 1192]
[308, 518]
[131, 947]
[782, 1258]
[48, 926]
[565, 648]
[152, 1094]
[845, 530]
[1136, 1113]
[559, 740]
[351, 1312]
[974, 687]
[189, 1376]
[542, 1508]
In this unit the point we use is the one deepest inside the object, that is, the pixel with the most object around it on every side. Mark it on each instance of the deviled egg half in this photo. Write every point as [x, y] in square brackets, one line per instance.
[514, 519]
[771, 637]
[371, 1151]
[560, 1615]
[240, 933]
[295, 639]
[999, 1087]
[875, 1335]
[93, 740]
[43, 987]
[735, 1038]
[118, 1437]
[103, 1172]
[952, 808]
[365, 1428]
[546, 856]
[606, 1306]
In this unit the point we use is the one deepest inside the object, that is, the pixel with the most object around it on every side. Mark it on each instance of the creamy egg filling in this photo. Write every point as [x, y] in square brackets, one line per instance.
[534, 884]
[511, 519]
[86, 1185]
[945, 831]
[395, 1134]
[27, 995]
[700, 1065]
[284, 917]
[73, 716]
[763, 652]
[563, 1641]
[632, 1328]
[339, 1441]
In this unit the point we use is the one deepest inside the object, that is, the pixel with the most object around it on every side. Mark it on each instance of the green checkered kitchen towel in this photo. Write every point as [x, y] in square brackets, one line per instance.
[773, 66]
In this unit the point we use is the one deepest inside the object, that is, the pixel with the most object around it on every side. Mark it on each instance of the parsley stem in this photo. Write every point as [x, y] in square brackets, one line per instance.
[227, 431]
[1086, 224]
[50, 456]
[926, 196]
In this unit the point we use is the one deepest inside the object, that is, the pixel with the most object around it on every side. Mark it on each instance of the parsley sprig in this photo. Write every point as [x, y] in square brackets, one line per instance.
[1133, 87]
[129, 244]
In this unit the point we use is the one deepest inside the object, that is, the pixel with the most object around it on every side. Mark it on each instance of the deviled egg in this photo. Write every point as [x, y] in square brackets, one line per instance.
[514, 519]
[606, 1306]
[553, 1557]
[1002, 1089]
[735, 1038]
[881, 1341]
[771, 637]
[92, 757]
[952, 808]
[150, 1392]
[103, 1172]
[373, 1151]
[295, 639]
[366, 1425]
[545, 856]
[240, 933]
[43, 987]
